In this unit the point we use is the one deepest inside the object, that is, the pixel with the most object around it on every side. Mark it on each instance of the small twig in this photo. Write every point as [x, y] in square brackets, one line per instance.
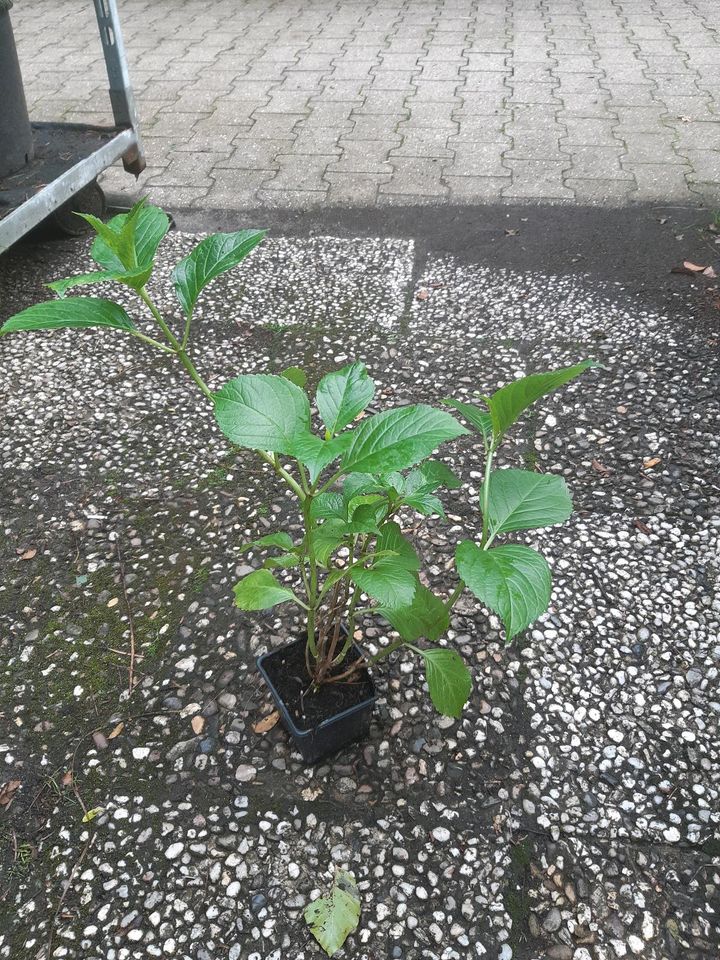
[131, 665]
[74, 870]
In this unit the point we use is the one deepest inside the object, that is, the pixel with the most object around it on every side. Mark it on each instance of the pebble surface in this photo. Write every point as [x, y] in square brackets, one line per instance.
[572, 813]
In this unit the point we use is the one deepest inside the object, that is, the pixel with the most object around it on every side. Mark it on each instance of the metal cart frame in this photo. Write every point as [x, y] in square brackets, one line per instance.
[121, 141]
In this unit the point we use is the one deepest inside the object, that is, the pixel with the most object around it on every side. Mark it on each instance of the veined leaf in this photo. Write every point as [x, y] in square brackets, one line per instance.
[477, 416]
[333, 918]
[398, 439]
[282, 540]
[342, 395]
[263, 412]
[282, 560]
[367, 516]
[327, 538]
[355, 484]
[328, 505]
[386, 581]
[149, 226]
[425, 617]
[260, 591]
[513, 580]
[135, 280]
[72, 312]
[295, 375]
[507, 403]
[432, 475]
[448, 679]
[521, 500]
[211, 257]
[391, 538]
[426, 503]
[315, 453]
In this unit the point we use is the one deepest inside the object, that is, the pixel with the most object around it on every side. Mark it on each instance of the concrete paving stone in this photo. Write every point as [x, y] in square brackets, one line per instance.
[228, 112]
[423, 143]
[630, 94]
[470, 189]
[415, 176]
[272, 126]
[440, 72]
[300, 172]
[533, 117]
[477, 160]
[655, 148]
[323, 140]
[481, 104]
[486, 81]
[704, 135]
[641, 120]
[352, 70]
[587, 106]
[500, 43]
[588, 130]
[604, 192]
[596, 162]
[565, 63]
[350, 189]
[401, 80]
[328, 113]
[362, 156]
[455, 53]
[534, 93]
[660, 181]
[705, 165]
[435, 91]
[400, 61]
[537, 178]
[376, 127]
[339, 91]
[486, 62]
[482, 129]
[256, 91]
[285, 101]
[291, 199]
[530, 73]
[249, 154]
[384, 102]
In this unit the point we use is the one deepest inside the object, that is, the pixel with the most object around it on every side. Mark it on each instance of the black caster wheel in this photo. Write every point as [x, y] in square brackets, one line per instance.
[90, 199]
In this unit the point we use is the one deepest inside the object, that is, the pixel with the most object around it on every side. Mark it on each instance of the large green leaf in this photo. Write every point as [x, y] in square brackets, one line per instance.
[521, 500]
[282, 540]
[72, 312]
[132, 240]
[387, 581]
[260, 591]
[327, 538]
[211, 257]
[398, 439]
[134, 279]
[342, 395]
[448, 679]
[426, 616]
[477, 416]
[333, 918]
[328, 505]
[507, 403]
[513, 580]
[263, 412]
[426, 504]
[391, 538]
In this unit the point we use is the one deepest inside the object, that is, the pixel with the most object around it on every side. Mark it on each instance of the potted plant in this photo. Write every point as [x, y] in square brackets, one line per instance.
[355, 477]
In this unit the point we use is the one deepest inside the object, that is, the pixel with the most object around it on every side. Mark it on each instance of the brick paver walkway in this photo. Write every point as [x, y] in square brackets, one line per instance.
[306, 102]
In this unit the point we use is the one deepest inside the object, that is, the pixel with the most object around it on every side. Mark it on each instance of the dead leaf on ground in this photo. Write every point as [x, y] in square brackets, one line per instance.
[709, 273]
[311, 793]
[7, 792]
[27, 554]
[689, 267]
[116, 731]
[67, 778]
[422, 294]
[652, 462]
[600, 468]
[198, 724]
[267, 723]
[642, 527]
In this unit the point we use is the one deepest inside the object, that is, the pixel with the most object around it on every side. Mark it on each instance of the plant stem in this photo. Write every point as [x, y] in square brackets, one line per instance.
[151, 341]
[486, 496]
[312, 563]
[282, 472]
[385, 652]
[454, 596]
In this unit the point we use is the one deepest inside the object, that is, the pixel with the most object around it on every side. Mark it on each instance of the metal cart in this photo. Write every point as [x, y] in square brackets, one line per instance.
[44, 166]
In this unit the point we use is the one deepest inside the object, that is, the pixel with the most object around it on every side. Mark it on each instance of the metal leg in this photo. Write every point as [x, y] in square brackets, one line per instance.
[121, 95]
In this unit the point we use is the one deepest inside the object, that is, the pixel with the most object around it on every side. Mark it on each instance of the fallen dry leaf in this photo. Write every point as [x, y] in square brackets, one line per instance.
[422, 294]
[600, 468]
[67, 778]
[688, 267]
[709, 273]
[116, 731]
[27, 554]
[267, 723]
[198, 724]
[652, 462]
[311, 793]
[622, 409]
[642, 527]
[7, 792]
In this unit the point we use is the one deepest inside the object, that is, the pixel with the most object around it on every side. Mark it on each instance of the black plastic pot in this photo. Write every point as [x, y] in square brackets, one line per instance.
[331, 734]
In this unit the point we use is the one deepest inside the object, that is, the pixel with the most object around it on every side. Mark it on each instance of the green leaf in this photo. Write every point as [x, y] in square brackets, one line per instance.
[282, 540]
[333, 918]
[342, 395]
[477, 416]
[327, 505]
[507, 403]
[425, 617]
[398, 439]
[263, 412]
[448, 679]
[211, 257]
[72, 312]
[513, 580]
[149, 226]
[295, 375]
[355, 484]
[427, 504]
[387, 581]
[327, 538]
[260, 591]
[391, 538]
[91, 814]
[432, 475]
[135, 280]
[315, 453]
[283, 560]
[366, 517]
[521, 500]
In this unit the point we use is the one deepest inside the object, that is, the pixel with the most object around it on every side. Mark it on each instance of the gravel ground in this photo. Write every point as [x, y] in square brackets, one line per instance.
[572, 813]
